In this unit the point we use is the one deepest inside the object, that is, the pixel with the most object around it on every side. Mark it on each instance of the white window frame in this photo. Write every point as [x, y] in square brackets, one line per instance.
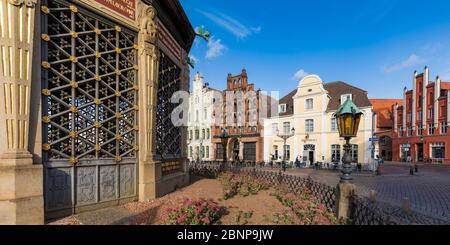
[344, 97]
[282, 108]
[309, 106]
[309, 128]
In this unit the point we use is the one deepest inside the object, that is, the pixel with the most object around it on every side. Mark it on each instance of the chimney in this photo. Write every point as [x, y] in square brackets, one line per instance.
[426, 81]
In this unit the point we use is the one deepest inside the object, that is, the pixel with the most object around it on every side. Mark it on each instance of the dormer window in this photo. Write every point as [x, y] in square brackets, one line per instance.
[345, 97]
[282, 108]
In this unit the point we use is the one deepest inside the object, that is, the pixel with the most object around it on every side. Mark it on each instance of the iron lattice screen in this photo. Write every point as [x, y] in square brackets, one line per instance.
[89, 86]
[167, 136]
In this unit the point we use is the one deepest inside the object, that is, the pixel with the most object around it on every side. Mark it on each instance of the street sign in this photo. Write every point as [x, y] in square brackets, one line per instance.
[373, 139]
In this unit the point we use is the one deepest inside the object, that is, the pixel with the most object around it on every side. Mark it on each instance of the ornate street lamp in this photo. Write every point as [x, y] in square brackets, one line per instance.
[347, 117]
[224, 136]
[285, 136]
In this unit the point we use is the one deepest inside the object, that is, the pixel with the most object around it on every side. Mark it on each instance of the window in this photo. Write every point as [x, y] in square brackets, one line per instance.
[203, 151]
[420, 130]
[287, 152]
[400, 131]
[197, 151]
[197, 134]
[274, 128]
[333, 124]
[286, 128]
[190, 134]
[309, 104]
[219, 151]
[282, 108]
[419, 116]
[190, 151]
[443, 127]
[203, 134]
[208, 135]
[430, 129]
[275, 152]
[335, 153]
[309, 125]
[410, 131]
[207, 152]
[431, 113]
[250, 151]
[438, 151]
[354, 153]
[345, 97]
[409, 118]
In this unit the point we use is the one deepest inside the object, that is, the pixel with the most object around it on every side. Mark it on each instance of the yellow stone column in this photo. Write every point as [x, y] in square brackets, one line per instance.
[148, 79]
[21, 195]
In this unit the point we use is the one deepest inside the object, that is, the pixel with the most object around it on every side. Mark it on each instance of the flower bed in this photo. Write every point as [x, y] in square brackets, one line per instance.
[244, 185]
[195, 212]
[303, 209]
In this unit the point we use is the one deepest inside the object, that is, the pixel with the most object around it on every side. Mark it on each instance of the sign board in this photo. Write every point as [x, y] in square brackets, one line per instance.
[374, 139]
[127, 8]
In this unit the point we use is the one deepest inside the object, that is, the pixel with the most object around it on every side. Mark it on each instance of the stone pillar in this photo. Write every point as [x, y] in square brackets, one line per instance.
[21, 186]
[344, 194]
[148, 79]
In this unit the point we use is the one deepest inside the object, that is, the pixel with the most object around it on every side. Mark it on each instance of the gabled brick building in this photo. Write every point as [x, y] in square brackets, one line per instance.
[383, 126]
[246, 141]
[421, 121]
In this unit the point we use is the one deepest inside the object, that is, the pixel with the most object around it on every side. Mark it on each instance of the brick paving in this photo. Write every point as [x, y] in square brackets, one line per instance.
[428, 190]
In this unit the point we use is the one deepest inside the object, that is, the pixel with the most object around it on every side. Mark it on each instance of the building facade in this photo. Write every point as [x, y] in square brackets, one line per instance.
[91, 129]
[383, 121]
[244, 127]
[200, 120]
[309, 110]
[421, 121]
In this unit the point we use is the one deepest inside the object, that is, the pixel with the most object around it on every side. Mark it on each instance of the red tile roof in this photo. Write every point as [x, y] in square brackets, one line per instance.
[383, 110]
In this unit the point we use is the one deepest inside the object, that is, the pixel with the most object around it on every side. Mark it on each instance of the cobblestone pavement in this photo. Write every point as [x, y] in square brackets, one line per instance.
[428, 190]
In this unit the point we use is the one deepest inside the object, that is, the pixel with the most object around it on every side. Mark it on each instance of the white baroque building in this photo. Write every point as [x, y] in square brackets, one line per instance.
[200, 120]
[309, 109]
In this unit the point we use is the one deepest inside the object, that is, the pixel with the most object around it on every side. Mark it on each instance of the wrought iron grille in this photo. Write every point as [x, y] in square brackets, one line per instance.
[89, 86]
[168, 137]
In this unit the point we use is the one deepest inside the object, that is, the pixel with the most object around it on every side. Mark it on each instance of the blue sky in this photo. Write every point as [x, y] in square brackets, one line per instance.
[373, 44]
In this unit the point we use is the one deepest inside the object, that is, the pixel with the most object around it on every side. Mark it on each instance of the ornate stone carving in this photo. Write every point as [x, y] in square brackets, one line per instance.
[148, 25]
[28, 3]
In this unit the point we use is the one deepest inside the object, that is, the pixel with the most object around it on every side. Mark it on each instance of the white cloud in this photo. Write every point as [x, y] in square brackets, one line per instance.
[215, 48]
[299, 75]
[412, 60]
[194, 58]
[232, 25]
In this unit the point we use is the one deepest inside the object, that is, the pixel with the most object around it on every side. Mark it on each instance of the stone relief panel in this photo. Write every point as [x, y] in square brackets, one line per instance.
[127, 180]
[86, 185]
[108, 185]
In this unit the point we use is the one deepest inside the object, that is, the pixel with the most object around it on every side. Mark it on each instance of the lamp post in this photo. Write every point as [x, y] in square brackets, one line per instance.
[285, 136]
[224, 136]
[347, 117]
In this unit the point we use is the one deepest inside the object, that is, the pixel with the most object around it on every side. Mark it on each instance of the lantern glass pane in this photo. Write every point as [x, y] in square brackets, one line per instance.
[357, 120]
[347, 124]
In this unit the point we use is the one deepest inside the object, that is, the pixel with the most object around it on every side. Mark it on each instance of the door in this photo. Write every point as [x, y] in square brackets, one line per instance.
[420, 152]
[89, 90]
[311, 157]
